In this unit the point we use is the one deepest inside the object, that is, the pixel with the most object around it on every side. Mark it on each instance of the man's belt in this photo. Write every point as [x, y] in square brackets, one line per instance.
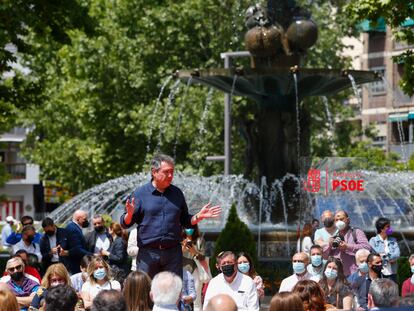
[161, 245]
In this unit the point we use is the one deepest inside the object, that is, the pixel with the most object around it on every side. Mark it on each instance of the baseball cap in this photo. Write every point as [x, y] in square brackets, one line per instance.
[9, 219]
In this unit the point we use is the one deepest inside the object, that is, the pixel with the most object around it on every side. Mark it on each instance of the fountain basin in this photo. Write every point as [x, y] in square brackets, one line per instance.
[275, 86]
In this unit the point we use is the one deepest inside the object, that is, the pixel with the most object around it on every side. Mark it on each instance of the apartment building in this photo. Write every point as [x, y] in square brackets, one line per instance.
[22, 190]
[384, 105]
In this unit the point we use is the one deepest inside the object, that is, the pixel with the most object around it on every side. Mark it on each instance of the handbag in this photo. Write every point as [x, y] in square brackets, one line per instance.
[204, 273]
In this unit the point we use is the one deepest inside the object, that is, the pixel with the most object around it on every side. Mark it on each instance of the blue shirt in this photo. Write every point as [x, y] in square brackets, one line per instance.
[159, 216]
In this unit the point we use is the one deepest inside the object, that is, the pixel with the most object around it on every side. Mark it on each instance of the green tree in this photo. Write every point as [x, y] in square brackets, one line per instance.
[395, 14]
[235, 237]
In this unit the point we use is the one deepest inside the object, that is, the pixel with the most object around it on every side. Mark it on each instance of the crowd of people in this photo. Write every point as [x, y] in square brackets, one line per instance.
[335, 267]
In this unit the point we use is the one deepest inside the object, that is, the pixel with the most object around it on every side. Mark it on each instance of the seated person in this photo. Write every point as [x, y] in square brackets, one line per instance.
[22, 287]
[29, 271]
[188, 293]
[61, 298]
[79, 278]
[55, 275]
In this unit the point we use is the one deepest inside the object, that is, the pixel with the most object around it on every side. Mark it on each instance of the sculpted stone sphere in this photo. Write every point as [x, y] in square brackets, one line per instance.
[264, 41]
[302, 34]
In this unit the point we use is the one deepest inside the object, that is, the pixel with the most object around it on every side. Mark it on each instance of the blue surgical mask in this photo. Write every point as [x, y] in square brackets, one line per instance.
[298, 267]
[412, 269]
[331, 274]
[189, 231]
[316, 260]
[363, 267]
[99, 274]
[243, 267]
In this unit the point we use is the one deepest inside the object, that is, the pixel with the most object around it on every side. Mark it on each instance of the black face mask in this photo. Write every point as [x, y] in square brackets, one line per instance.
[328, 222]
[377, 269]
[50, 233]
[17, 276]
[100, 229]
[85, 224]
[227, 270]
[30, 238]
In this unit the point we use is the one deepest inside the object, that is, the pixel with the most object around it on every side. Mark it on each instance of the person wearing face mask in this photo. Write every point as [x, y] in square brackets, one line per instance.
[193, 248]
[337, 291]
[317, 263]
[322, 235]
[16, 236]
[231, 282]
[346, 243]
[76, 245]
[245, 266]
[26, 243]
[361, 260]
[55, 275]
[21, 286]
[98, 280]
[299, 263]
[408, 285]
[99, 238]
[387, 247]
[362, 284]
[53, 244]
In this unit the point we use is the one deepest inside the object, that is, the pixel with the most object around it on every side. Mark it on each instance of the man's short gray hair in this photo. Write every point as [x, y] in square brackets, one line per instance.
[166, 288]
[361, 252]
[158, 158]
[384, 293]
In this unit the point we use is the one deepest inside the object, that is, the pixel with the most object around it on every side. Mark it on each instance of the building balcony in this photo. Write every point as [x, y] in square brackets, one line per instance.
[22, 173]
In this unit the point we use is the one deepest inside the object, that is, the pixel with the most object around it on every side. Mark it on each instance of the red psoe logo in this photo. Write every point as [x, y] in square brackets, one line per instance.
[313, 182]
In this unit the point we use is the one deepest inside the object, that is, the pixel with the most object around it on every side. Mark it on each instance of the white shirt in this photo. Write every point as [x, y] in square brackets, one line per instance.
[132, 248]
[5, 232]
[31, 249]
[95, 289]
[290, 282]
[304, 245]
[52, 242]
[165, 308]
[102, 242]
[242, 290]
[386, 269]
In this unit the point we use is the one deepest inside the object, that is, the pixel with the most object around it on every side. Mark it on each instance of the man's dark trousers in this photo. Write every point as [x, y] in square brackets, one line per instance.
[153, 260]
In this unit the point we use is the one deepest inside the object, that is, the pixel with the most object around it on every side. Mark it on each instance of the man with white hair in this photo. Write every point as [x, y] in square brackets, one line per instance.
[361, 260]
[383, 293]
[20, 285]
[165, 291]
[230, 281]
[76, 245]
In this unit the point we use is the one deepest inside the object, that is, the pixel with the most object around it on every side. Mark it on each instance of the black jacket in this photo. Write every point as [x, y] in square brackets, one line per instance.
[90, 240]
[118, 254]
[45, 249]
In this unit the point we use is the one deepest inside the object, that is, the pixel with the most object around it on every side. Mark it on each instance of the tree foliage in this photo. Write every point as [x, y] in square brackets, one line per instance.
[395, 13]
[235, 237]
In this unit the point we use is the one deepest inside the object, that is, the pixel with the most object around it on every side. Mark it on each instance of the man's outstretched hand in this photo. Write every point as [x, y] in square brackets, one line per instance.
[209, 211]
[130, 208]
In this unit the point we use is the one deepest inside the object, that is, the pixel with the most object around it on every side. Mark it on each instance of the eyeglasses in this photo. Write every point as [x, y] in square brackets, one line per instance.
[17, 268]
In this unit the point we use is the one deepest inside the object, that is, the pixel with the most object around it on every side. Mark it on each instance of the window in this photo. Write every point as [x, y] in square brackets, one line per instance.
[378, 87]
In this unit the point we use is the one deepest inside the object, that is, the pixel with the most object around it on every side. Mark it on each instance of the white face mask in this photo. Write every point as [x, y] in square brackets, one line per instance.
[340, 225]
[57, 283]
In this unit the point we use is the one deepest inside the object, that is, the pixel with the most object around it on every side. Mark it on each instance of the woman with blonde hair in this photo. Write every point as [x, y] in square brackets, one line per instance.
[8, 301]
[286, 301]
[136, 291]
[55, 275]
[312, 295]
[99, 278]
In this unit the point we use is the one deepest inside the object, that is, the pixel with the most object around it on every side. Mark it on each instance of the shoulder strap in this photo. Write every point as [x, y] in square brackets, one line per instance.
[354, 234]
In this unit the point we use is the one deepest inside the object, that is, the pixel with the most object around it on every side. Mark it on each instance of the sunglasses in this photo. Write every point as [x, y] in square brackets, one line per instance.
[17, 268]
